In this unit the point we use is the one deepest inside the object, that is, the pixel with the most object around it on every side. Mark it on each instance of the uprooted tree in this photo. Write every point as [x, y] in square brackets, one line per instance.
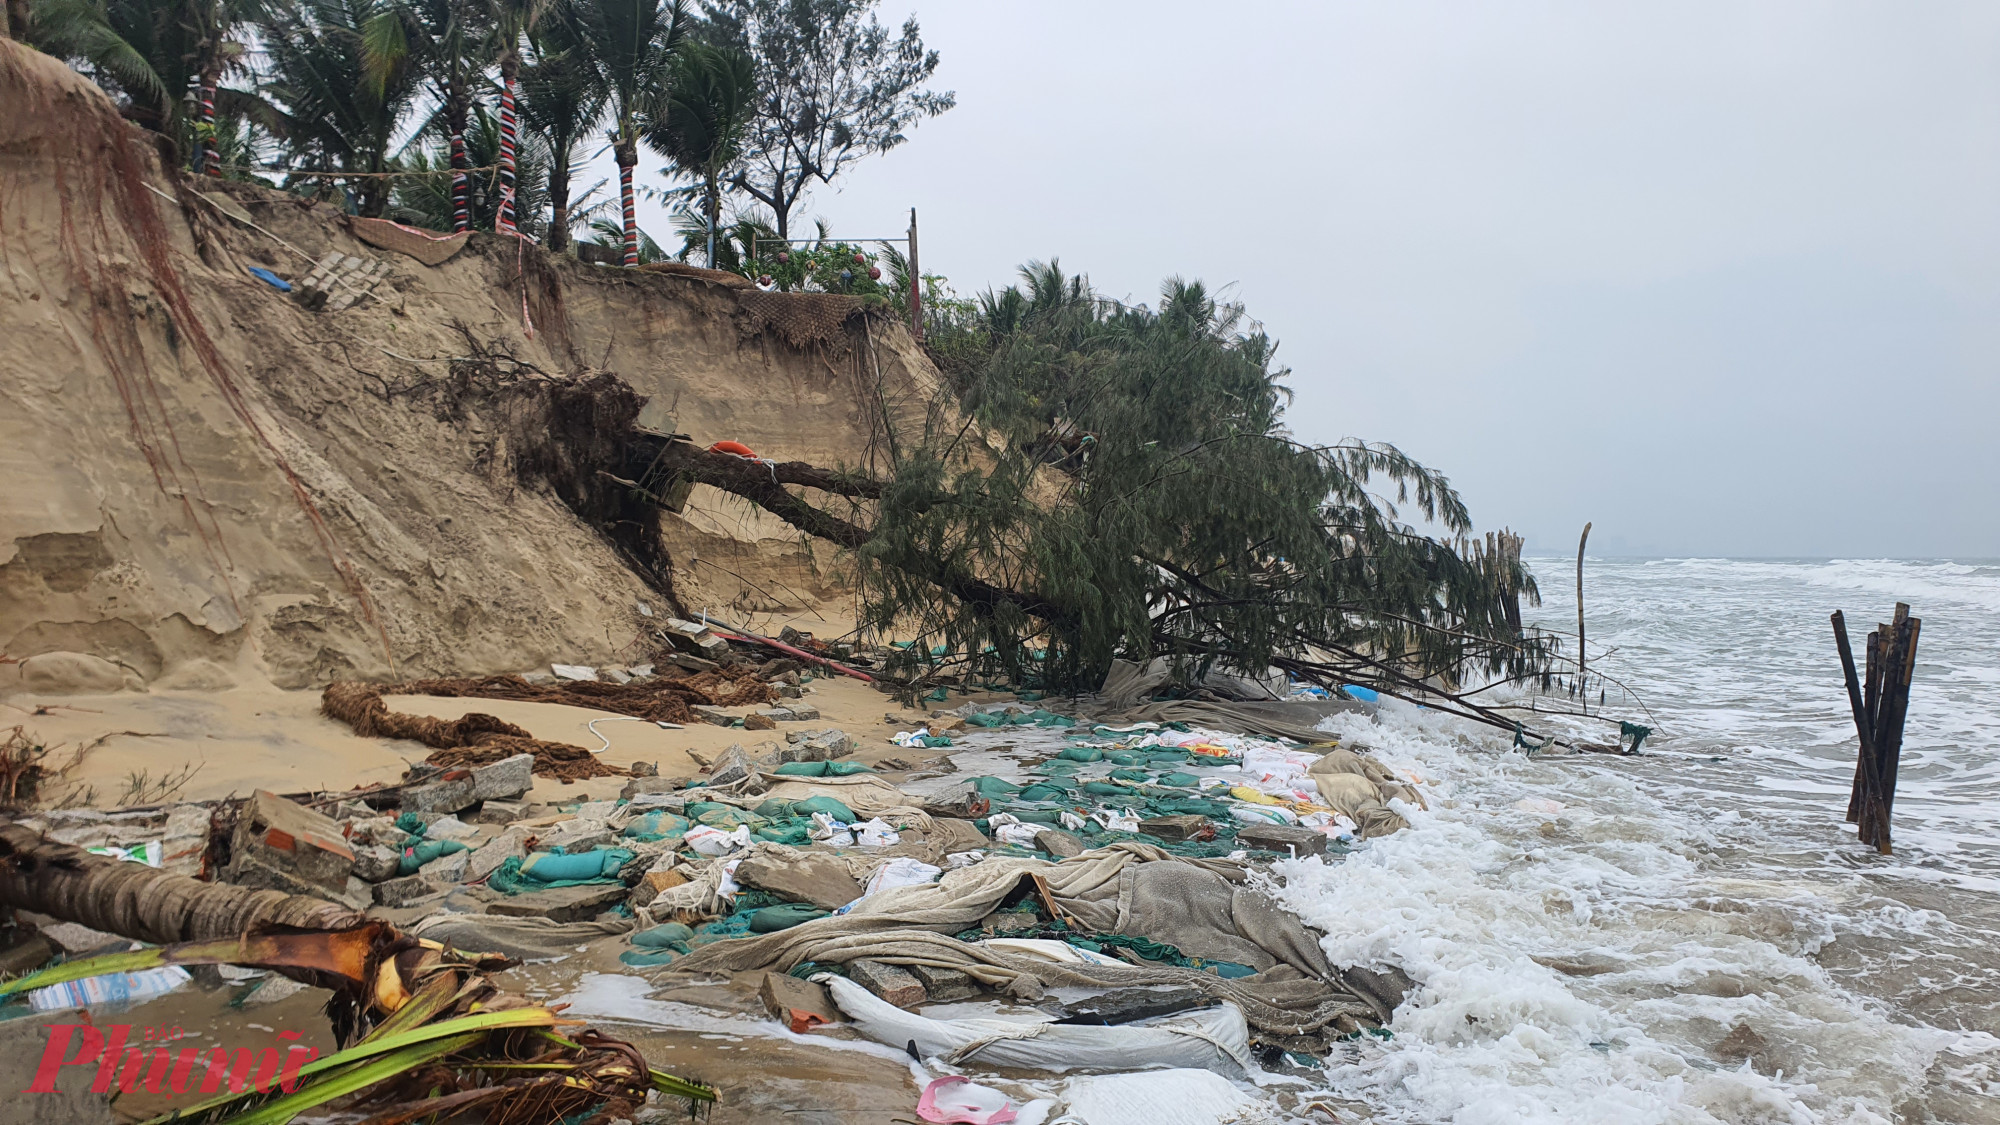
[1108, 481]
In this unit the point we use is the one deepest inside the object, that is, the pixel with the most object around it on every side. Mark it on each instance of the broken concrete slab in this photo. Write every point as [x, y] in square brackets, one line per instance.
[760, 720]
[798, 1004]
[505, 779]
[691, 662]
[449, 794]
[283, 834]
[1059, 843]
[561, 904]
[490, 855]
[890, 982]
[498, 812]
[404, 891]
[1187, 826]
[1005, 923]
[1282, 838]
[734, 765]
[802, 713]
[1125, 1005]
[715, 715]
[446, 870]
[589, 842]
[374, 863]
[820, 880]
[942, 986]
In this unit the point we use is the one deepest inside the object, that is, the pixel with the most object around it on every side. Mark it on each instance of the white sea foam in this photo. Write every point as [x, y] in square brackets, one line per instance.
[1592, 965]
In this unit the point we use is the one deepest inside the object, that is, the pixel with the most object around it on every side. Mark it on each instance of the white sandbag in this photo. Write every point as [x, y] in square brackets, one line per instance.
[1213, 1037]
[1156, 1097]
[1049, 949]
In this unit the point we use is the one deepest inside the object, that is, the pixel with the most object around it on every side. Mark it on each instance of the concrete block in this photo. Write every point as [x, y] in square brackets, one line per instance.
[505, 779]
[1125, 1005]
[444, 796]
[282, 834]
[820, 880]
[798, 1004]
[1187, 826]
[639, 786]
[1281, 838]
[484, 860]
[1059, 843]
[890, 982]
[942, 986]
[403, 891]
[375, 863]
[446, 870]
[734, 765]
[562, 904]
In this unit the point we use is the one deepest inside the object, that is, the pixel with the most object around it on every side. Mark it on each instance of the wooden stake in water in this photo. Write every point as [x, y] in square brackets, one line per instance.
[1880, 705]
[1579, 617]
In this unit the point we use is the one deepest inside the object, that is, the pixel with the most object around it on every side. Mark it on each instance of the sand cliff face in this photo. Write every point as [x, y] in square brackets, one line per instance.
[203, 482]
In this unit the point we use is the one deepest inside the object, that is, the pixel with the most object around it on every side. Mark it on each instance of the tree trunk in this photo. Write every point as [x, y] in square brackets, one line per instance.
[558, 234]
[211, 153]
[140, 902]
[17, 20]
[714, 217]
[628, 158]
[457, 109]
[510, 66]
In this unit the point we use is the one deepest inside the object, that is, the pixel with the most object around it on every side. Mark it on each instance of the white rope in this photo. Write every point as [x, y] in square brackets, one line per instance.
[609, 719]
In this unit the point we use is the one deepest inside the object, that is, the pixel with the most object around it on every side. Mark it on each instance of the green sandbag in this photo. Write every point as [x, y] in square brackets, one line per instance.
[1081, 754]
[656, 825]
[1106, 789]
[729, 819]
[651, 959]
[694, 809]
[411, 823]
[831, 806]
[546, 870]
[1056, 767]
[1130, 775]
[1043, 793]
[416, 856]
[784, 916]
[597, 863]
[822, 769]
[1051, 817]
[795, 834]
[775, 809]
[1165, 756]
[992, 786]
[1125, 758]
[1180, 779]
[663, 936]
[1177, 806]
[984, 719]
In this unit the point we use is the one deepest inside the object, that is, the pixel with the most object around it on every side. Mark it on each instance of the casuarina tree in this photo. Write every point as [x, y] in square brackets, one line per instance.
[832, 87]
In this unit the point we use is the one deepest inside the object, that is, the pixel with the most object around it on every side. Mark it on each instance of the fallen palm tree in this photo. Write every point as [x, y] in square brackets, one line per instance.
[424, 1031]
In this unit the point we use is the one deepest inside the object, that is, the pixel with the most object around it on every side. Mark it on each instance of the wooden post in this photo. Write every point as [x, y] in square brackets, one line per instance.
[1880, 706]
[1579, 616]
[916, 284]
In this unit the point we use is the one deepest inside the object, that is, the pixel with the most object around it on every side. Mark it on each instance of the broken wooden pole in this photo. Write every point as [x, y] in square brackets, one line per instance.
[1580, 668]
[1880, 704]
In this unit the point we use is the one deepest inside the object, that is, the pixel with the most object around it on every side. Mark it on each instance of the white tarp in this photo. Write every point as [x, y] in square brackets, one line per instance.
[1212, 1038]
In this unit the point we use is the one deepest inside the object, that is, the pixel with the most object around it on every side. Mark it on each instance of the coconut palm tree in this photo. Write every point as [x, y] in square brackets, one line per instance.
[340, 106]
[512, 22]
[564, 102]
[447, 42]
[150, 52]
[708, 106]
[632, 43]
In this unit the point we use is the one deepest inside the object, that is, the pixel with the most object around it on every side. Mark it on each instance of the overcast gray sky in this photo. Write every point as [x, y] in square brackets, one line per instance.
[1718, 276]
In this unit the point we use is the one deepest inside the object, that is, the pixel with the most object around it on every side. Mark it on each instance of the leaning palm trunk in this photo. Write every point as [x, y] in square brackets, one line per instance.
[425, 1031]
[138, 902]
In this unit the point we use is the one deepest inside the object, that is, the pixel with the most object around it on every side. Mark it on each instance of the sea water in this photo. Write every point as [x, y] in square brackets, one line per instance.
[1693, 934]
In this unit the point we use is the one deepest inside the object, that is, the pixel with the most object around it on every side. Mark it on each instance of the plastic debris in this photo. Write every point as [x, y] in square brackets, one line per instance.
[957, 1098]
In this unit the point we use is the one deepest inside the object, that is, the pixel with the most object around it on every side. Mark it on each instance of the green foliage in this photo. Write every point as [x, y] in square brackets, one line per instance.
[823, 266]
[430, 196]
[701, 122]
[1135, 494]
[832, 87]
[340, 106]
[147, 52]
